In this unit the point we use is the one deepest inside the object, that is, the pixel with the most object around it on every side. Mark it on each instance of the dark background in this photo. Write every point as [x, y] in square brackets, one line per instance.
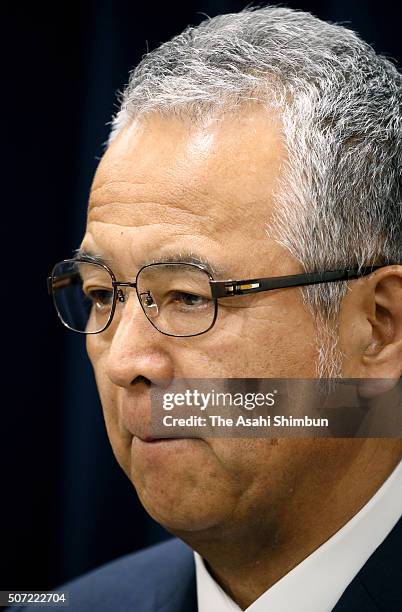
[65, 505]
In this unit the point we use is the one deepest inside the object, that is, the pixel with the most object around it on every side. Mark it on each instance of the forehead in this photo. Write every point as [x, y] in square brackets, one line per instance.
[165, 180]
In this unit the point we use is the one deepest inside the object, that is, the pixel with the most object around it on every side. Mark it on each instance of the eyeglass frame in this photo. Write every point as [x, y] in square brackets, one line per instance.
[219, 288]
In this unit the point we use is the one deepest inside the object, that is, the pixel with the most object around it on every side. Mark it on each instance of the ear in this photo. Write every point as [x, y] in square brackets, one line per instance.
[383, 354]
[382, 351]
[370, 329]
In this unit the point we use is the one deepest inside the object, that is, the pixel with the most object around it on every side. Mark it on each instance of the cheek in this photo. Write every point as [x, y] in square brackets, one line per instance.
[120, 439]
[248, 347]
[266, 471]
[92, 346]
[97, 354]
[97, 350]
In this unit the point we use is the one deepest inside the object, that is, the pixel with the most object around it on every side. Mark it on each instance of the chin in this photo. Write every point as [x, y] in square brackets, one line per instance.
[180, 507]
[184, 520]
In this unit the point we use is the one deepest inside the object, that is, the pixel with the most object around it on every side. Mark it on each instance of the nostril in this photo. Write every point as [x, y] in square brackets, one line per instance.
[141, 379]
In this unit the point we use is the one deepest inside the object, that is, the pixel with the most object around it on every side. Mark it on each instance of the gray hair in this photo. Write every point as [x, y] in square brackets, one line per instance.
[340, 194]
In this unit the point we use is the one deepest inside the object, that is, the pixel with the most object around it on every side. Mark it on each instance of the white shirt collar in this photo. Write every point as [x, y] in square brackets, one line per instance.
[317, 583]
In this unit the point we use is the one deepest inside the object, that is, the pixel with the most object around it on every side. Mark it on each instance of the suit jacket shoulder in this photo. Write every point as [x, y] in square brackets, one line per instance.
[162, 579]
[378, 585]
[158, 579]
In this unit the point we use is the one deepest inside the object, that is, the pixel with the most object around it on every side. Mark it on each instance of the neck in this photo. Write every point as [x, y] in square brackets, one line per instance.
[247, 558]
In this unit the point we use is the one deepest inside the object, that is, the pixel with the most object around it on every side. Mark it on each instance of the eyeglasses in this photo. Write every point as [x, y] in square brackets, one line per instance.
[179, 299]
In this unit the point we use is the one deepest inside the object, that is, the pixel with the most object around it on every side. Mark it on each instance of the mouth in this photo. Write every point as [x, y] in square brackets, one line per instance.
[158, 440]
[135, 421]
[155, 440]
[157, 448]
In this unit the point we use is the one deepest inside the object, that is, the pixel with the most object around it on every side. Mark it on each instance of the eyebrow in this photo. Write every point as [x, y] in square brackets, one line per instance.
[83, 254]
[182, 257]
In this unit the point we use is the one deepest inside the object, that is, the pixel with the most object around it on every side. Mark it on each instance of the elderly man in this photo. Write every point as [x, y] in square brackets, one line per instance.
[257, 145]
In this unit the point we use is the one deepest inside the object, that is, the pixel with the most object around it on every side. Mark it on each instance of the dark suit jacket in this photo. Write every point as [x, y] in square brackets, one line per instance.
[162, 579]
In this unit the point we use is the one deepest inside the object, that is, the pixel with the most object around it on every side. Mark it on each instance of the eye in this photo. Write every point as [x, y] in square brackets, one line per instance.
[100, 297]
[189, 299]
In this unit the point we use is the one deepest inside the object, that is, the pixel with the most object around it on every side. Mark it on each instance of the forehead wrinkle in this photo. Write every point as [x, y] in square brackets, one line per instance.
[127, 210]
[108, 183]
[156, 194]
[220, 213]
[170, 197]
[167, 187]
[185, 204]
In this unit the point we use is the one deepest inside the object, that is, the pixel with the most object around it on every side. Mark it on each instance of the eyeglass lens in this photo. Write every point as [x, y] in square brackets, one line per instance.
[176, 298]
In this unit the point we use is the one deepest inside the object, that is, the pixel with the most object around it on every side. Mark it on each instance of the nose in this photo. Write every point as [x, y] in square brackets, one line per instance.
[136, 349]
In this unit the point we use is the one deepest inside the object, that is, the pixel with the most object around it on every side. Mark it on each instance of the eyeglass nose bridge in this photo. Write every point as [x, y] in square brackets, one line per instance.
[121, 297]
[146, 298]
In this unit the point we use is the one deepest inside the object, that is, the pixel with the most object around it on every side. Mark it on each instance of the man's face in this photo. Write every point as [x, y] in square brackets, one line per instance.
[167, 188]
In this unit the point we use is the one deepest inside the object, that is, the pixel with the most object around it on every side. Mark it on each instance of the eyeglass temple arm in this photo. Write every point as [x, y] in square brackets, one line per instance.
[221, 289]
